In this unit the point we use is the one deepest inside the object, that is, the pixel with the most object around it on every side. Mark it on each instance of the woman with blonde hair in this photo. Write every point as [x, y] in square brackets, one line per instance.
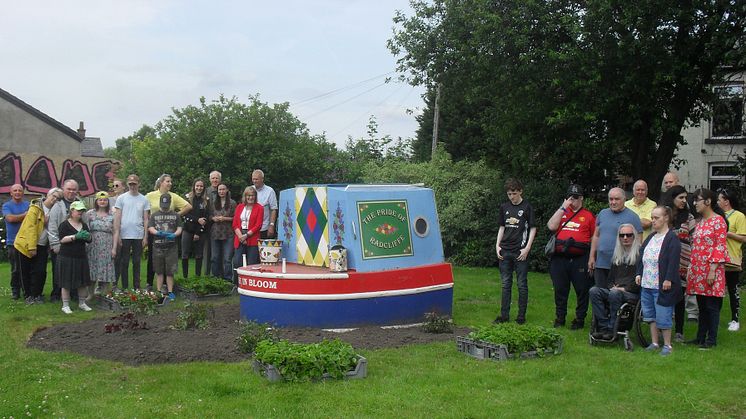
[247, 224]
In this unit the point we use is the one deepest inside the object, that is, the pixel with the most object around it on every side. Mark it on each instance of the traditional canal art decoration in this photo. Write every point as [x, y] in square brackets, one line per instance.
[311, 223]
[384, 229]
[371, 274]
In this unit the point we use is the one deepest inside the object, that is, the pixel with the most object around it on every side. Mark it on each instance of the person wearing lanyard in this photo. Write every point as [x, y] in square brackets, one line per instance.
[247, 224]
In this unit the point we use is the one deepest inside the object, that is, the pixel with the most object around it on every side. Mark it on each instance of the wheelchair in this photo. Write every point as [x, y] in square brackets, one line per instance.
[628, 321]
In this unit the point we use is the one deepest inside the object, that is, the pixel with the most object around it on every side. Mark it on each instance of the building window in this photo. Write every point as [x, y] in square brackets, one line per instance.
[725, 175]
[728, 112]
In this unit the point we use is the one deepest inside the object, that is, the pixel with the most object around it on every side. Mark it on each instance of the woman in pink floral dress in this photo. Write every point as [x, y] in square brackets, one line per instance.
[706, 277]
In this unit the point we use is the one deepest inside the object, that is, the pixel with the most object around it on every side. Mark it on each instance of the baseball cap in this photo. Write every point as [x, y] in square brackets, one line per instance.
[78, 205]
[575, 190]
[133, 179]
[165, 201]
[102, 194]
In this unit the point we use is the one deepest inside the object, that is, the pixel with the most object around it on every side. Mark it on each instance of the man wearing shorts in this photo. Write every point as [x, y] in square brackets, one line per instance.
[165, 226]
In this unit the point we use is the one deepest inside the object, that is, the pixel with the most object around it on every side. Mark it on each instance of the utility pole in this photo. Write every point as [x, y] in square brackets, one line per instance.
[436, 117]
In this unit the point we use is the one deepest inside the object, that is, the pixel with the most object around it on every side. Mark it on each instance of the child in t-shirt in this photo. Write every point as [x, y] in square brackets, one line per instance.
[165, 226]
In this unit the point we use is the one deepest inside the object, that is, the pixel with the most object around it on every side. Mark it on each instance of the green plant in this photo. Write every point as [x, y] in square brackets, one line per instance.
[303, 362]
[519, 338]
[138, 301]
[435, 323]
[205, 285]
[194, 316]
[251, 334]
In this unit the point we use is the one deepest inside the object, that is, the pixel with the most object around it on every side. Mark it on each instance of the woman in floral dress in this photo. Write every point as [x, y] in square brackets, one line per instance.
[101, 251]
[706, 277]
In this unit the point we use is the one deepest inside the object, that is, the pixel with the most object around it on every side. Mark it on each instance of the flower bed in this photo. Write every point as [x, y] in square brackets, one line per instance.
[329, 359]
[505, 341]
[202, 287]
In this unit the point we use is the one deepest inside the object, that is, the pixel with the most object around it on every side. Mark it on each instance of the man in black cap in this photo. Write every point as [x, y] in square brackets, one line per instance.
[574, 227]
[165, 226]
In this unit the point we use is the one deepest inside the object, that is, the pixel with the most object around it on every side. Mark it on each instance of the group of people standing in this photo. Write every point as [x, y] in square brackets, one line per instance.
[91, 250]
[690, 246]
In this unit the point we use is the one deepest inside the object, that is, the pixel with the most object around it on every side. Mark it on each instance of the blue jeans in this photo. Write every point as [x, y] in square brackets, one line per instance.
[654, 312]
[605, 304]
[508, 265]
[220, 258]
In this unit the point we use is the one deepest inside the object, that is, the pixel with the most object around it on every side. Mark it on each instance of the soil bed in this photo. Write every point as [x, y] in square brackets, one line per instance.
[159, 343]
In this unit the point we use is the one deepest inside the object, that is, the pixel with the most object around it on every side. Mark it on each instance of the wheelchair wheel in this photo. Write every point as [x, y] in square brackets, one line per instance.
[641, 328]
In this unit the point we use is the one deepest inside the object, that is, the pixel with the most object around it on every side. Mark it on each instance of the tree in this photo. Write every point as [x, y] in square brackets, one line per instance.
[586, 89]
[234, 138]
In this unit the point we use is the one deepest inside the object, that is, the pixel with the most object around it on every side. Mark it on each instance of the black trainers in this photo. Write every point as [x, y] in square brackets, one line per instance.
[577, 324]
[559, 322]
[500, 319]
[520, 320]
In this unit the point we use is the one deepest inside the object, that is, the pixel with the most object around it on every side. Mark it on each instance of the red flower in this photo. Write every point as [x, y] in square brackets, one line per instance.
[133, 297]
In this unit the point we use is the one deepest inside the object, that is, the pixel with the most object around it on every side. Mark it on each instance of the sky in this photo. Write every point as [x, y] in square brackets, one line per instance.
[117, 65]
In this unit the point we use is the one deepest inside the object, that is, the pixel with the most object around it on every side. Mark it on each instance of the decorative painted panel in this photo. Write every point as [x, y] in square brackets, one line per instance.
[311, 225]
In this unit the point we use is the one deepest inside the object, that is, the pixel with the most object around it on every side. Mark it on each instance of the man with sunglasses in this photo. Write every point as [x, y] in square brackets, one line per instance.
[604, 238]
[574, 227]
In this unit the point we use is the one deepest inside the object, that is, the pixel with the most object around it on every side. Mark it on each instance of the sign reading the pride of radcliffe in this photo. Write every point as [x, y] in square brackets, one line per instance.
[384, 229]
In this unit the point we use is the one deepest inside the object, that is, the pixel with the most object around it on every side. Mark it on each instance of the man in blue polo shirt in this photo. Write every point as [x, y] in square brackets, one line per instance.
[604, 239]
[14, 212]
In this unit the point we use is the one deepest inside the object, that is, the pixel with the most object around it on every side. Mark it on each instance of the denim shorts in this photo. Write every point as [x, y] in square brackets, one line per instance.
[652, 311]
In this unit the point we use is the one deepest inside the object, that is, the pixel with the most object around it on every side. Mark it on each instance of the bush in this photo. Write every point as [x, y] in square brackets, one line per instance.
[435, 323]
[194, 316]
[251, 334]
[303, 362]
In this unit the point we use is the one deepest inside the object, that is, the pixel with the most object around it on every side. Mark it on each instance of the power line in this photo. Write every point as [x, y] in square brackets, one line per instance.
[346, 100]
[370, 110]
[341, 89]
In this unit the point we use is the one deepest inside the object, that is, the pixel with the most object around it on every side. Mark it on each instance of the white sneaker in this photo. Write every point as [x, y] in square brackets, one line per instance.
[733, 326]
[67, 310]
[84, 307]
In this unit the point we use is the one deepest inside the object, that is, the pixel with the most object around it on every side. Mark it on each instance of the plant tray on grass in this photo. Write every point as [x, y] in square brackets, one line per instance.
[203, 287]
[505, 341]
[273, 374]
[137, 301]
[329, 359]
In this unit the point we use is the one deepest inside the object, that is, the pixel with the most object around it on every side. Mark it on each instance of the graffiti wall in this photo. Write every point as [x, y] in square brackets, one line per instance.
[39, 173]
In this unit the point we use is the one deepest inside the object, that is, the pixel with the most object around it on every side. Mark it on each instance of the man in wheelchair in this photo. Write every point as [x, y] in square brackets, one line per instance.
[622, 287]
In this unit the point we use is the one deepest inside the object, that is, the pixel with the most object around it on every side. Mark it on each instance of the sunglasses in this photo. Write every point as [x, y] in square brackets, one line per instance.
[575, 196]
[626, 235]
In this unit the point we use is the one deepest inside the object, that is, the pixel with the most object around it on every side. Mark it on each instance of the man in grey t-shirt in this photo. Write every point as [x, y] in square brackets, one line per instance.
[130, 220]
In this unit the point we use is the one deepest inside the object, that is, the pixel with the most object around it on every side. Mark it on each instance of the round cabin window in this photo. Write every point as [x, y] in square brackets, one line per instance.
[421, 227]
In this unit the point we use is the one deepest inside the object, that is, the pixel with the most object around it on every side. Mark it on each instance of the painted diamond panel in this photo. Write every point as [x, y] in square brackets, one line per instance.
[312, 223]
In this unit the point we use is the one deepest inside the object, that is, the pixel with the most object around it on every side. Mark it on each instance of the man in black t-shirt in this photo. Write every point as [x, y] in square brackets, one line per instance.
[514, 240]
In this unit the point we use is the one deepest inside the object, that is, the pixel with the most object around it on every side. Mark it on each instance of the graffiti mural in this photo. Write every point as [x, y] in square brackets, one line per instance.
[92, 174]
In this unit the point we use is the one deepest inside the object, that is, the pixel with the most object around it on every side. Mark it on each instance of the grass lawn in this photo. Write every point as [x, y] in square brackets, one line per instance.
[417, 381]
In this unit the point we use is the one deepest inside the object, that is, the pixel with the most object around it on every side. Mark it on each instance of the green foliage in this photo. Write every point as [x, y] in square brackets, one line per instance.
[252, 333]
[138, 301]
[234, 138]
[582, 90]
[205, 285]
[194, 316]
[435, 323]
[467, 196]
[519, 338]
[303, 362]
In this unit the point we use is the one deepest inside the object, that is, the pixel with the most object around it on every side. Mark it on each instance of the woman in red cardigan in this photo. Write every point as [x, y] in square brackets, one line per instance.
[247, 223]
